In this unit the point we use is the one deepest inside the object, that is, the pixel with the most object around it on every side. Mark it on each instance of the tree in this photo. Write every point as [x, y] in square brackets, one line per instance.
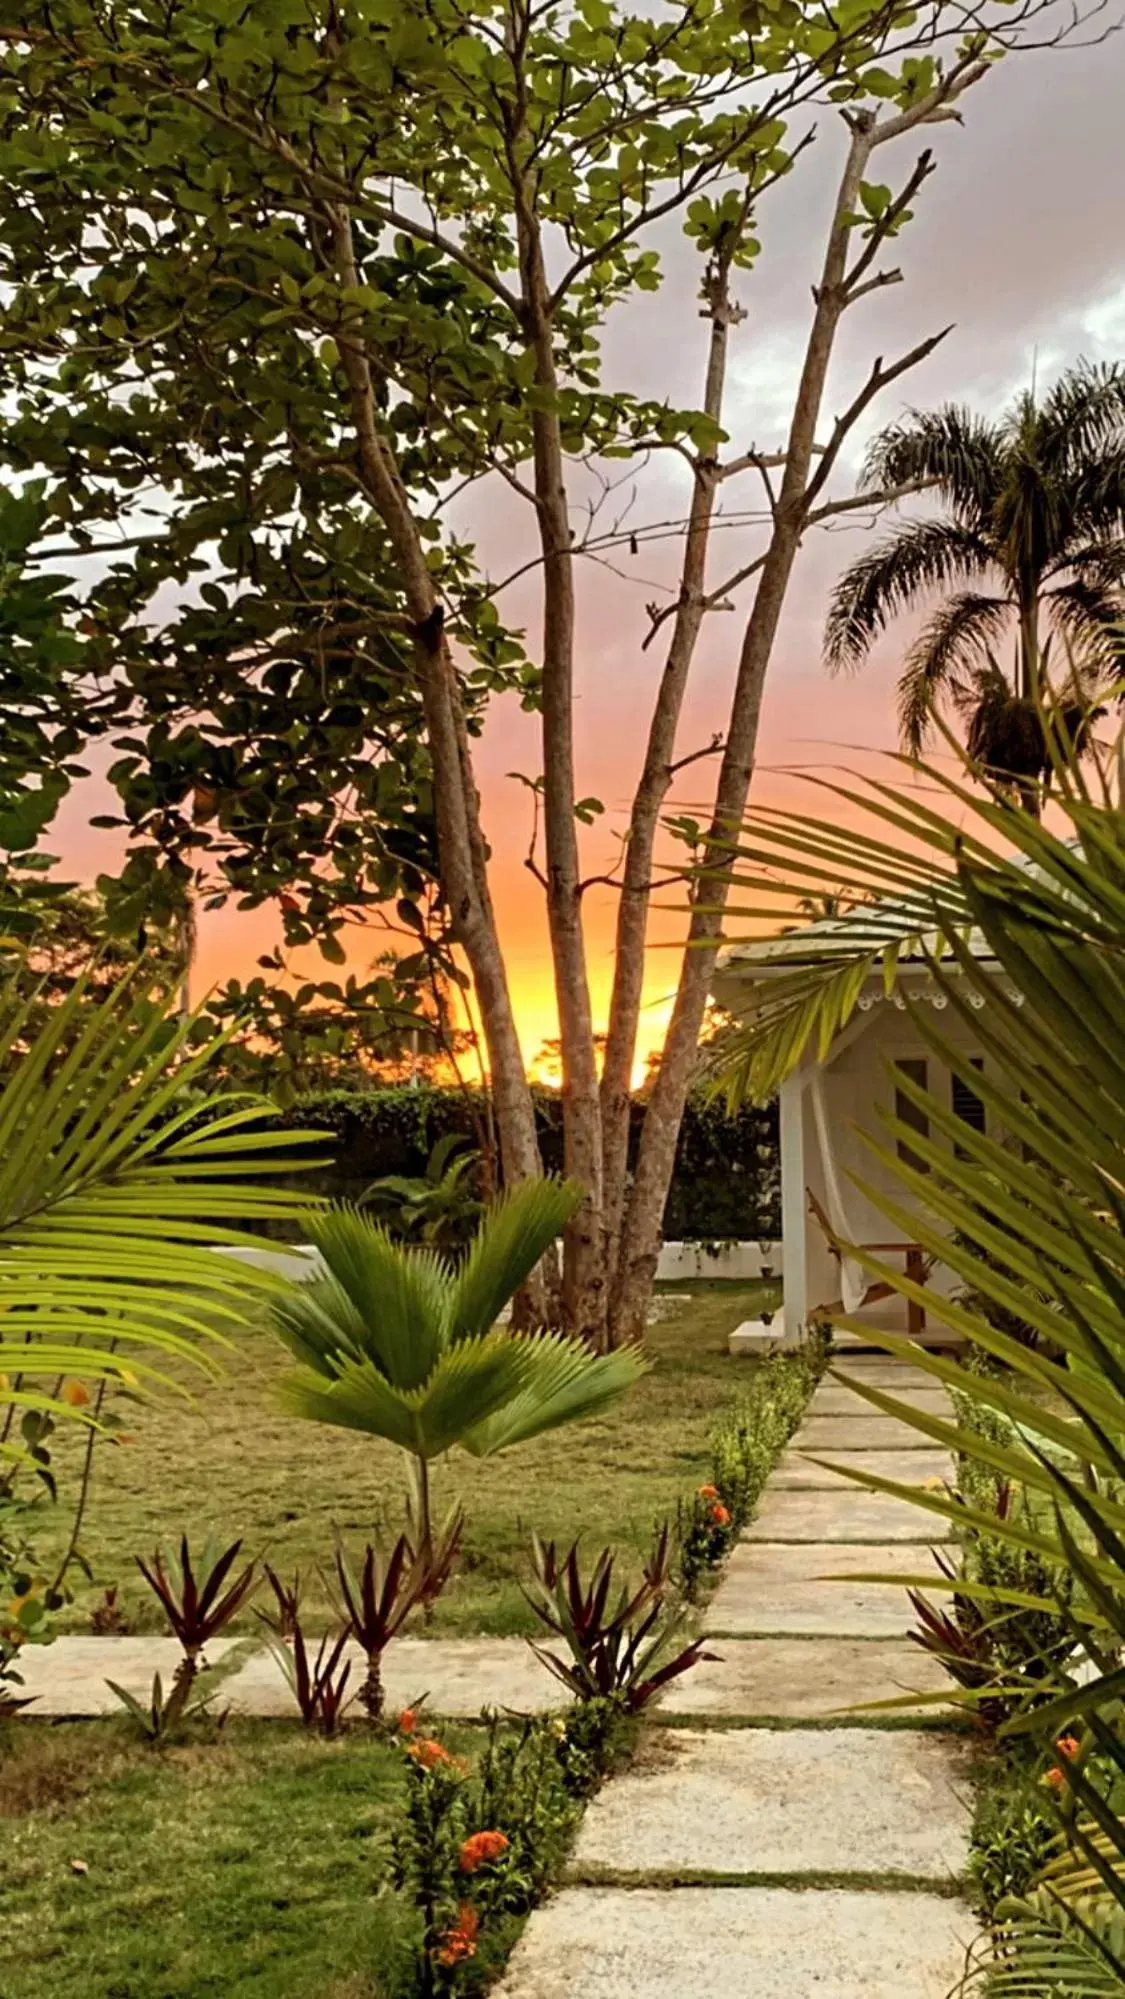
[432, 220]
[1034, 508]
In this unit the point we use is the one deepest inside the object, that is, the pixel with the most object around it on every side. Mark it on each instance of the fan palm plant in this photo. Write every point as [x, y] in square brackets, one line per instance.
[1032, 535]
[396, 1342]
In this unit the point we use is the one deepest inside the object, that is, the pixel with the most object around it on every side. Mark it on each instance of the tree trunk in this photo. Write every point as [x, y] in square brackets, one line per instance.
[462, 852]
[652, 789]
[641, 1235]
[584, 1260]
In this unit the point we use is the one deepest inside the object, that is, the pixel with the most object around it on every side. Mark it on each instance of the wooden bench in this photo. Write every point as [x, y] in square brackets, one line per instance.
[918, 1267]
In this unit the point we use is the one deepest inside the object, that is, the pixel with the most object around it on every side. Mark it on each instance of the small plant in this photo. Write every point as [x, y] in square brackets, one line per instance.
[615, 1640]
[109, 1617]
[476, 1849]
[1003, 1654]
[197, 1607]
[377, 1602]
[966, 1641]
[318, 1685]
[705, 1532]
[163, 1717]
[440, 1208]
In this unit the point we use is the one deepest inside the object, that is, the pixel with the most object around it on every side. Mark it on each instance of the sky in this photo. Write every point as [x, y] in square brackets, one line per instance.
[1018, 242]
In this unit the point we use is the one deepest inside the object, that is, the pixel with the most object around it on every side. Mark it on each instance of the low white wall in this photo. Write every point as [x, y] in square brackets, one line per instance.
[678, 1260]
[729, 1259]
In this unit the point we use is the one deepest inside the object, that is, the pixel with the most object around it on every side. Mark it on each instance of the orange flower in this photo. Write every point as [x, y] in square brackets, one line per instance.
[1068, 1745]
[76, 1394]
[479, 1848]
[460, 1941]
[708, 1492]
[407, 1721]
[720, 1516]
[1055, 1778]
[429, 1754]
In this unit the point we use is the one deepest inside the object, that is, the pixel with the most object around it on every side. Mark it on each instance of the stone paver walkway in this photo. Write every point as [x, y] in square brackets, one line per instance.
[767, 1845]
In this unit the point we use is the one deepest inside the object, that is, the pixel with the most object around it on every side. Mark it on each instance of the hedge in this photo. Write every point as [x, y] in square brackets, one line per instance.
[726, 1181]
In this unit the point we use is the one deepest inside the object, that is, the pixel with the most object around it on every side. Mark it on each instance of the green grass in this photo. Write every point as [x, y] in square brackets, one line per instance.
[234, 1464]
[248, 1866]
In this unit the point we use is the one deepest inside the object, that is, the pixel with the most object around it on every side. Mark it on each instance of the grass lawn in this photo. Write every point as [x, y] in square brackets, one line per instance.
[234, 1464]
[247, 1864]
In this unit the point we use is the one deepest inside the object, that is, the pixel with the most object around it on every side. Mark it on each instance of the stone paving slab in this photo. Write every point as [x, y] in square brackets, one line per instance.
[845, 1514]
[780, 1589]
[458, 1676]
[805, 1679]
[740, 1943]
[860, 1433]
[869, 1367]
[864, 1802]
[796, 1472]
[834, 1399]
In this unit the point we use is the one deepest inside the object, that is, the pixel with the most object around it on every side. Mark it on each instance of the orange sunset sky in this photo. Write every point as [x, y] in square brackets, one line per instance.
[1018, 240]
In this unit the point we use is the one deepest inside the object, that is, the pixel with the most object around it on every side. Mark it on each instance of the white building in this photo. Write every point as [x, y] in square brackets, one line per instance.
[826, 1107]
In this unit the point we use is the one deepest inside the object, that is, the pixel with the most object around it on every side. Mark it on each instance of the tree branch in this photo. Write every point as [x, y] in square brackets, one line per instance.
[877, 380]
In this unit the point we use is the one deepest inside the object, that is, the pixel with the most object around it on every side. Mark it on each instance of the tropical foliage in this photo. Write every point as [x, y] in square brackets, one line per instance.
[117, 1180]
[1031, 534]
[1036, 1227]
[395, 1342]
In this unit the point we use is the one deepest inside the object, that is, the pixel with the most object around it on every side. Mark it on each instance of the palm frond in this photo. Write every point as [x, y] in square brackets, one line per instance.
[955, 639]
[1082, 414]
[398, 1307]
[515, 1233]
[962, 452]
[1090, 614]
[114, 1192]
[564, 1383]
[917, 557]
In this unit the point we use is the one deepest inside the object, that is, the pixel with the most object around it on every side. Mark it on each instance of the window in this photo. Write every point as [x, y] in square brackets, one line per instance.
[915, 1069]
[966, 1103]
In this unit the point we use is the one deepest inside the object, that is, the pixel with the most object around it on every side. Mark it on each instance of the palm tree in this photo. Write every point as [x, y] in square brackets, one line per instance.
[399, 1343]
[1032, 535]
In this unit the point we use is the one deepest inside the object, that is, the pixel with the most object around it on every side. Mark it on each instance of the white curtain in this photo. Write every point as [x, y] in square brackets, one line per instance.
[853, 1278]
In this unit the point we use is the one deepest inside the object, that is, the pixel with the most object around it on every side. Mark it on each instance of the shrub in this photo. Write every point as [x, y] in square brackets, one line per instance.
[726, 1183]
[26, 1597]
[745, 1447]
[477, 1848]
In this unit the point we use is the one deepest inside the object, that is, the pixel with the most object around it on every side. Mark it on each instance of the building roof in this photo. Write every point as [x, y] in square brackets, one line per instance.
[869, 927]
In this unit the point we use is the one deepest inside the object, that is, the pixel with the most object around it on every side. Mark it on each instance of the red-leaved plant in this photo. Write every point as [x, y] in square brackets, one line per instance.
[616, 1640]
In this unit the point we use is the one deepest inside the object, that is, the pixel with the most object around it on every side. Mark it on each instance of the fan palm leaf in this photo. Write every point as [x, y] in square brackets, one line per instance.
[118, 1179]
[395, 1342]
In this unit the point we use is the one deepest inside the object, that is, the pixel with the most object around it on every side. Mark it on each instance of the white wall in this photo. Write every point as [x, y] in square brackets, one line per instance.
[678, 1260]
